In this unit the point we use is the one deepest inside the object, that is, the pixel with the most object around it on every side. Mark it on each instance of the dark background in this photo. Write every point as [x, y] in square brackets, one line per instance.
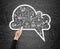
[29, 39]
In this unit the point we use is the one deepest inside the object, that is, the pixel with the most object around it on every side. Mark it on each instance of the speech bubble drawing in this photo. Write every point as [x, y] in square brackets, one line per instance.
[26, 16]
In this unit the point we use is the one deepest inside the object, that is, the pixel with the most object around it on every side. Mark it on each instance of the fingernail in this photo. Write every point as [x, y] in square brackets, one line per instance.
[21, 27]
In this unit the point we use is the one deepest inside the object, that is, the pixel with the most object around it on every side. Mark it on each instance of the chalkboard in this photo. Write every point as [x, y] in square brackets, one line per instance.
[29, 38]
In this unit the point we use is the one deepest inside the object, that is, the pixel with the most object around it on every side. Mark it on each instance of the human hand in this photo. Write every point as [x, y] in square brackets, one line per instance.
[18, 34]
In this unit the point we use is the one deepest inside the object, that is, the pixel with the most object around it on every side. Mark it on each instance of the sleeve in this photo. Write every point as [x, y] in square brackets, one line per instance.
[13, 45]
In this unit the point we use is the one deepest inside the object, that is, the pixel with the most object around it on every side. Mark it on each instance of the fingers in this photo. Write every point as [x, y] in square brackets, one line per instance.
[21, 29]
[18, 34]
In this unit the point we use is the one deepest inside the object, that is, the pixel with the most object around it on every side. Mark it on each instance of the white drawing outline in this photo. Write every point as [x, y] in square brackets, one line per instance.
[43, 38]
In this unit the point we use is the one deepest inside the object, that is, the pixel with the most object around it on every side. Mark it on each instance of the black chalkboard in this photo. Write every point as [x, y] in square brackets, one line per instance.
[29, 39]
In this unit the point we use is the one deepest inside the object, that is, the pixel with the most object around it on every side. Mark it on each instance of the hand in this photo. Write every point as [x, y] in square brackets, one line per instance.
[18, 34]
